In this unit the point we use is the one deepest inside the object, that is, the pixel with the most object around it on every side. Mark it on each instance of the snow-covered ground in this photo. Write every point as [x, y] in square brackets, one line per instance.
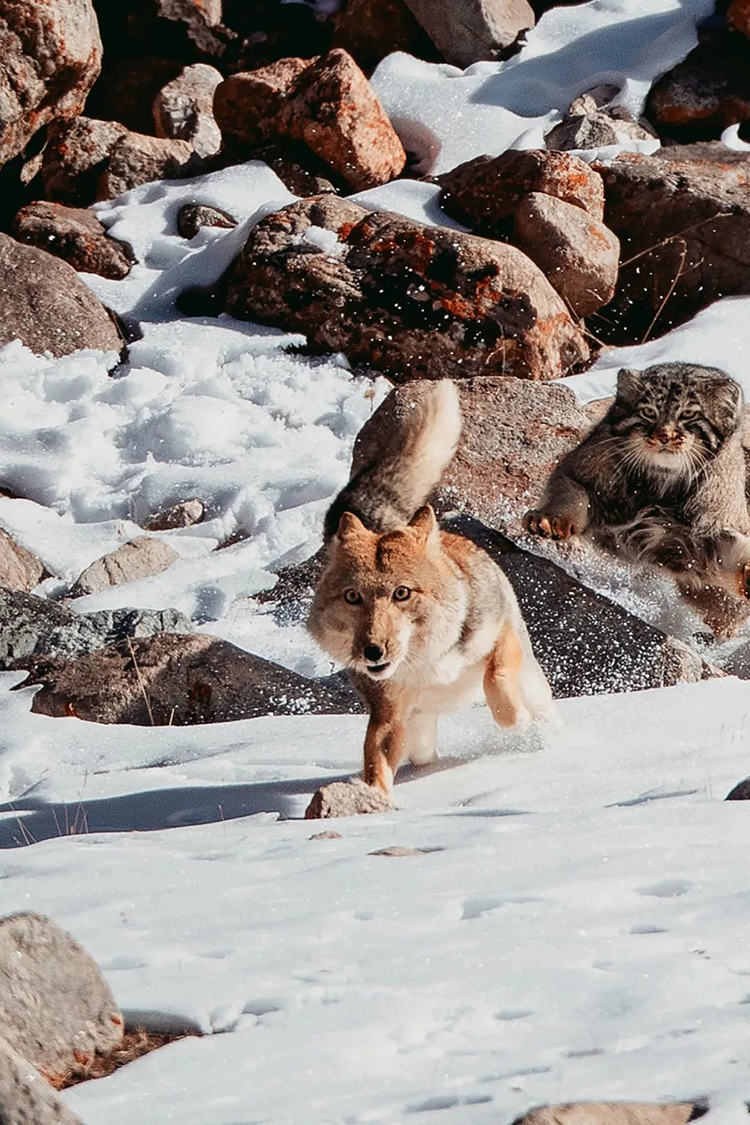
[574, 924]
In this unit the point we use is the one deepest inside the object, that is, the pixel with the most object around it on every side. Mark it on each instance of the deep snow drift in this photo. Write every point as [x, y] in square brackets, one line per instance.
[575, 925]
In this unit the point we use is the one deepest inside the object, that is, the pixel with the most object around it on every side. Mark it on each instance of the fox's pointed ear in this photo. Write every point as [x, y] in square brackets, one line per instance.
[349, 525]
[425, 526]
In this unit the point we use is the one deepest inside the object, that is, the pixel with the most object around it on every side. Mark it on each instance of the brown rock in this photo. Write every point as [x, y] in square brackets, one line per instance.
[52, 54]
[347, 798]
[181, 680]
[55, 1006]
[412, 300]
[514, 433]
[696, 198]
[465, 31]
[140, 558]
[613, 126]
[739, 16]
[183, 109]
[371, 29]
[76, 236]
[25, 1096]
[136, 159]
[326, 836]
[610, 1113]
[248, 107]
[19, 569]
[184, 514]
[485, 192]
[75, 157]
[46, 305]
[397, 851]
[192, 217]
[705, 93]
[336, 113]
[578, 255]
[300, 170]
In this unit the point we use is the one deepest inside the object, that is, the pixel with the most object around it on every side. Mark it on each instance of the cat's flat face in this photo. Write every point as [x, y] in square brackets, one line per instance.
[674, 417]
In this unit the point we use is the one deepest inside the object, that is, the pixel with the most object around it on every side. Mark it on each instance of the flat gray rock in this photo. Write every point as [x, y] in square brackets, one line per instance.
[56, 1009]
[25, 1097]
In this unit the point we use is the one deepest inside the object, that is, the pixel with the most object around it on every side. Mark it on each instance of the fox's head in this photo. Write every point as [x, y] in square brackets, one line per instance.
[387, 601]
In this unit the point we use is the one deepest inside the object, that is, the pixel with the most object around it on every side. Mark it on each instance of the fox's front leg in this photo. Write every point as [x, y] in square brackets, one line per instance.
[564, 509]
[502, 680]
[385, 743]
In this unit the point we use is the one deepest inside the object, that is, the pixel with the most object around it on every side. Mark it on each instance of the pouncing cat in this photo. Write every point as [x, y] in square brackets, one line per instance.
[661, 481]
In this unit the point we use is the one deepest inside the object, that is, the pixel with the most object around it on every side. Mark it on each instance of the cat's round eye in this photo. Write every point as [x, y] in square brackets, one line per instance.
[401, 594]
[689, 411]
[648, 412]
[352, 597]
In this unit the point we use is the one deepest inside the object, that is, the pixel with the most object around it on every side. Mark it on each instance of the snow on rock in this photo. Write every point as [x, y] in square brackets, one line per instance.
[447, 116]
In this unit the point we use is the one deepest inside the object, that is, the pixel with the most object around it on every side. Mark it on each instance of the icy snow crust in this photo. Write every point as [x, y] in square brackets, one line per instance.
[576, 924]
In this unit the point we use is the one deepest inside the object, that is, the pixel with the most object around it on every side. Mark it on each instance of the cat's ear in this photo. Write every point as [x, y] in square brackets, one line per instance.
[725, 404]
[630, 385]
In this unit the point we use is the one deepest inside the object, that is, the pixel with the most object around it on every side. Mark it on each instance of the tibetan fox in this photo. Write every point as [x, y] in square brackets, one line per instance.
[661, 481]
[423, 620]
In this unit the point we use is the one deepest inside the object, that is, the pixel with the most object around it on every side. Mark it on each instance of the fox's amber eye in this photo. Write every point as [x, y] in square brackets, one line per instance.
[401, 594]
[352, 597]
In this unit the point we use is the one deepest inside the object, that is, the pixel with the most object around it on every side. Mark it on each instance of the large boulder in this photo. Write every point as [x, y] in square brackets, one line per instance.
[594, 121]
[683, 218]
[19, 569]
[75, 235]
[466, 31]
[137, 159]
[55, 1007]
[32, 628]
[138, 558]
[485, 191]
[76, 154]
[25, 1097]
[705, 93]
[52, 54]
[249, 106]
[180, 680]
[413, 300]
[578, 256]
[183, 109]
[46, 305]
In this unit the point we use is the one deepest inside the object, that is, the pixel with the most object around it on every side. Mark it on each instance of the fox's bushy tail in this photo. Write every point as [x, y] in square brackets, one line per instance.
[400, 456]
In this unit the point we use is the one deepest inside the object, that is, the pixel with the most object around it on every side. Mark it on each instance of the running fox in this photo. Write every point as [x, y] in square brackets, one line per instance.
[424, 620]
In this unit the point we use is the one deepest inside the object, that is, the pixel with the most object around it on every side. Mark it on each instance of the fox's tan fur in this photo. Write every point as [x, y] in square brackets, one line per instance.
[457, 633]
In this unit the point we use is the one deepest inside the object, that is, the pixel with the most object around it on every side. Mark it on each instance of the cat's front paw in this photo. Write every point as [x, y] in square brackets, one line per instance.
[539, 522]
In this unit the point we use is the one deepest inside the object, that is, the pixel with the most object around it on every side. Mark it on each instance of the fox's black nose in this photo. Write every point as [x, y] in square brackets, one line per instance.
[373, 654]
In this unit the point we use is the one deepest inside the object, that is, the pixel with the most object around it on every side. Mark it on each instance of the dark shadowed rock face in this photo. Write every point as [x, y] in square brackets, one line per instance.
[47, 307]
[706, 92]
[412, 300]
[52, 55]
[181, 680]
[76, 154]
[55, 1006]
[75, 235]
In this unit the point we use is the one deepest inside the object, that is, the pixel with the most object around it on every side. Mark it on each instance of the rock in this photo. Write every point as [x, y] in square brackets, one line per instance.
[578, 255]
[202, 20]
[347, 798]
[248, 107]
[25, 1097]
[32, 628]
[586, 644]
[610, 1113]
[741, 791]
[184, 514]
[56, 1009]
[298, 169]
[140, 558]
[76, 236]
[336, 113]
[128, 86]
[52, 54]
[466, 31]
[406, 298]
[19, 569]
[739, 16]
[396, 851]
[53, 310]
[183, 109]
[696, 198]
[705, 93]
[192, 217]
[136, 159]
[613, 126]
[76, 155]
[371, 29]
[326, 836]
[485, 192]
[180, 680]
[514, 433]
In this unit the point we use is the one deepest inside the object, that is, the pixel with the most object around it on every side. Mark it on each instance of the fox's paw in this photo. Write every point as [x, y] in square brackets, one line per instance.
[547, 526]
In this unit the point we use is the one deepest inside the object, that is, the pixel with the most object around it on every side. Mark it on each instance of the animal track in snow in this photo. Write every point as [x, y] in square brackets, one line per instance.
[646, 928]
[449, 1101]
[667, 888]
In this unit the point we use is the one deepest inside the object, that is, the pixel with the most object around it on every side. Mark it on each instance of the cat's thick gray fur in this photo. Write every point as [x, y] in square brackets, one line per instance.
[661, 480]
